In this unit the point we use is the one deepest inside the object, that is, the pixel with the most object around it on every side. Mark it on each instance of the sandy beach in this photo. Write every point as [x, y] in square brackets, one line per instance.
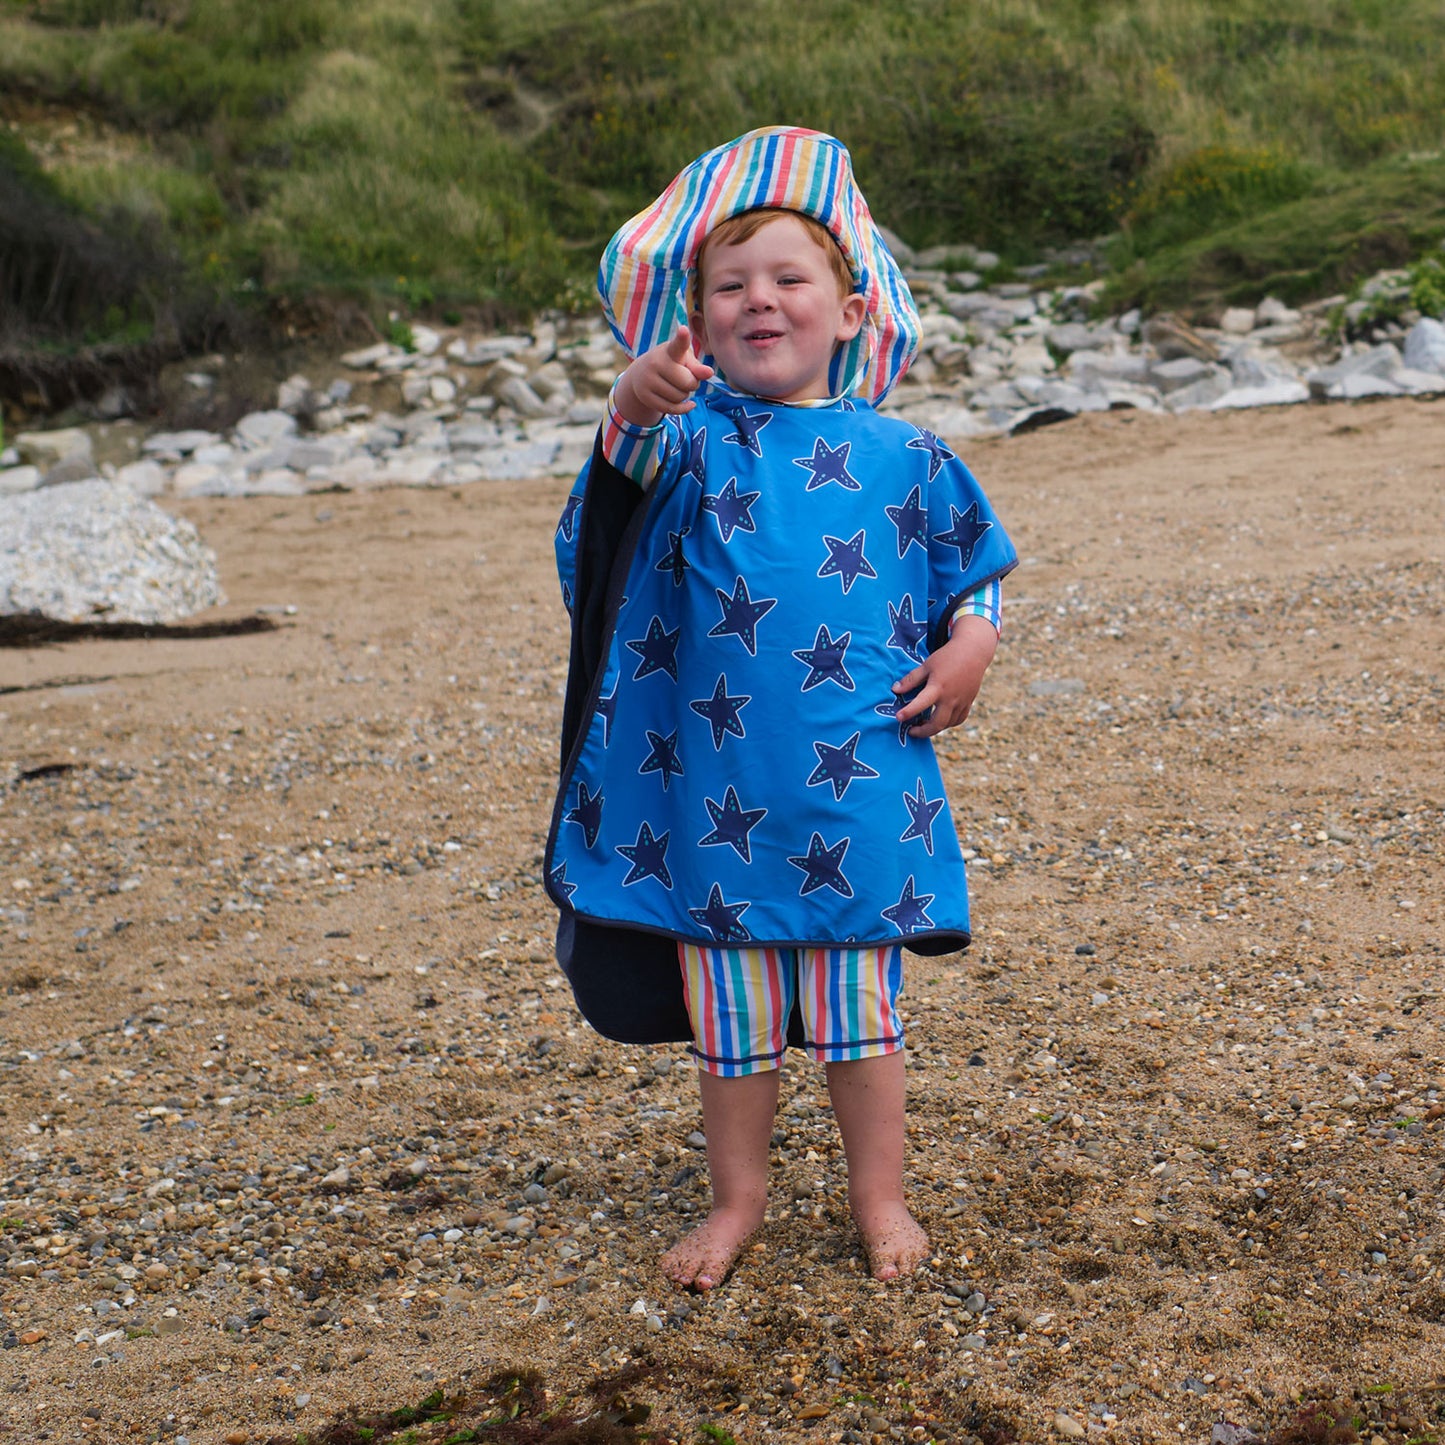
[300, 1123]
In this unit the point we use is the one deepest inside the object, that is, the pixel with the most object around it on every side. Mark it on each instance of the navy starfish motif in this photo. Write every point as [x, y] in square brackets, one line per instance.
[741, 615]
[731, 824]
[607, 711]
[721, 919]
[909, 914]
[696, 465]
[567, 598]
[558, 879]
[925, 441]
[588, 813]
[824, 867]
[825, 660]
[908, 631]
[648, 857]
[839, 766]
[730, 510]
[569, 517]
[748, 424]
[675, 562]
[911, 520]
[663, 757]
[722, 711]
[922, 810]
[846, 561]
[895, 705]
[829, 464]
[967, 529]
[658, 650]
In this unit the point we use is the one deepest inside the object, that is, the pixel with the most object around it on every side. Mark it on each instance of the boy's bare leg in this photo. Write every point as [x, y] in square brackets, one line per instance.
[868, 1102]
[737, 1116]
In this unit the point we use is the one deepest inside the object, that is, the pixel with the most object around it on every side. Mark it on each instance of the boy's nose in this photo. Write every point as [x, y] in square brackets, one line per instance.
[760, 296]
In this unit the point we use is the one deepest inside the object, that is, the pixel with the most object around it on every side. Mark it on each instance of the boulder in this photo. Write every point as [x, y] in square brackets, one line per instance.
[95, 551]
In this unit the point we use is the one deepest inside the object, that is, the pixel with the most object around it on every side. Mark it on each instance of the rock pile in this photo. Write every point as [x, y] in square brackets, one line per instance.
[995, 359]
[94, 552]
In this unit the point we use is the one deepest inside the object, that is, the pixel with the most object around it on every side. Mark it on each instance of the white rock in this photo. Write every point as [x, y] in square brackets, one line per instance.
[424, 340]
[93, 550]
[200, 479]
[1202, 393]
[292, 394]
[517, 394]
[370, 356]
[442, 389]
[1274, 393]
[14, 480]
[145, 478]
[175, 445]
[1237, 320]
[1273, 312]
[1425, 346]
[1362, 385]
[46, 449]
[265, 428]
[1416, 383]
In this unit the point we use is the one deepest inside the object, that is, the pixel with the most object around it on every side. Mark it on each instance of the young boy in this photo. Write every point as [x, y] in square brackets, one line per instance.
[778, 596]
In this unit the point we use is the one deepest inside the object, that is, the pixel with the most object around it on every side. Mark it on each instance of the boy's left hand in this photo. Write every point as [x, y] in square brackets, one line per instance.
[949, 678]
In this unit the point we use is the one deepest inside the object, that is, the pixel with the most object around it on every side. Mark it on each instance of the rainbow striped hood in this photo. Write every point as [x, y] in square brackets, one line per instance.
[645, 269]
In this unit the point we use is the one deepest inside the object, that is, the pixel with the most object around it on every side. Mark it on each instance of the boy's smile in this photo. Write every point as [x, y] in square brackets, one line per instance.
[771, 314]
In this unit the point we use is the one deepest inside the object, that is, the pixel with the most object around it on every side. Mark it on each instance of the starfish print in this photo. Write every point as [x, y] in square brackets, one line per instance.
[839, 766]
[895, 705]
[588, 813]
[846, 561]
[648, 857]
[558, 879]
[695, 466]
[967, 529]
[731, 824]
[925, 441]
[567, 598]
[730, 510]
[607, 711]
[674, 561]
[909, 914]
[658, 650]
[824, 867]
[722, 920]
[911, 520]
[825, 660]
[922, 810]
[829, 464]
[663, 757]
[748, 424]
[722, 711]
[568, 524]
[908, 632]
[741, 615]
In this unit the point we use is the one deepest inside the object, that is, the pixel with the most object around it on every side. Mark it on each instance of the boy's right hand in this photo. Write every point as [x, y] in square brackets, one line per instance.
[661, 381]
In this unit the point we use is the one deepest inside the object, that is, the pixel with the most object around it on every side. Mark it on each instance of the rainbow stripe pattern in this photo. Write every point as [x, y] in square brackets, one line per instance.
[644, 270]
[739, 1000]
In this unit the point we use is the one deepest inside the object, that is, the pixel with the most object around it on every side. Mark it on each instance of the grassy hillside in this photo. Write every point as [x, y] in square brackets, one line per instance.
[169, 164]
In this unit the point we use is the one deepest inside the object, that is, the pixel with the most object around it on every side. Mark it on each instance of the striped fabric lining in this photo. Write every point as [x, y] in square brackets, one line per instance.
[644, 270]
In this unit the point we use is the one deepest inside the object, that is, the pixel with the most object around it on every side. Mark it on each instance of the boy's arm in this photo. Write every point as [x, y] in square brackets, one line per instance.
[656, 385]
[949, 678]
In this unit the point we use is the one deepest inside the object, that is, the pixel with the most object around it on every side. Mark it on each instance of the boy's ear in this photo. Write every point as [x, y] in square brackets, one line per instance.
[855, 308]
[699, 333]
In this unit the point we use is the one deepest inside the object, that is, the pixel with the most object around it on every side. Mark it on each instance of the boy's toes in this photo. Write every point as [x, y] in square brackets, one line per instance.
[894, 1240]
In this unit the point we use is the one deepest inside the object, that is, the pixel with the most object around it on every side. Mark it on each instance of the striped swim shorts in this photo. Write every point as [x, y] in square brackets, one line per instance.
[739, 1000]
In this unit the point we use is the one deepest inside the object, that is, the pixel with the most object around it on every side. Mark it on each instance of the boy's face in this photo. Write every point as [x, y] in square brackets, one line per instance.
[771, 315]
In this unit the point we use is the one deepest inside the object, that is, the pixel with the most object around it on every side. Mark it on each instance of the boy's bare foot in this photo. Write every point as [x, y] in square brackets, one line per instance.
[893, 1238]
[701, 1260]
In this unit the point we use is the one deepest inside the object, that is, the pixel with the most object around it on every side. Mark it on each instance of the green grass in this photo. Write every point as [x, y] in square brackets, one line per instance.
[431, 155]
